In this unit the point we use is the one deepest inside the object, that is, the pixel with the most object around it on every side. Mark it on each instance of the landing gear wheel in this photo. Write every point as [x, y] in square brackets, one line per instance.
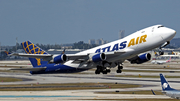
[108, 70]
[102, 69]
[120, 67]
[97, 72]
[104, 72]
[161, 52]
[118, 71]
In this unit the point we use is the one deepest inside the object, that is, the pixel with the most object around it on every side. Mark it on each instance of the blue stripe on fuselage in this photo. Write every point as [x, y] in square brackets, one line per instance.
[57, 68]
[116, 47]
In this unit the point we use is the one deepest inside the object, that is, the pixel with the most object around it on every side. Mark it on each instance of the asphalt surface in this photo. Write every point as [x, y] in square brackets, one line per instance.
[87, 77]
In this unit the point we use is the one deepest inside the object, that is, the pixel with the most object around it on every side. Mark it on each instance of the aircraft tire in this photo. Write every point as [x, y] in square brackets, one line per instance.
[104, 72]
[120, 67]
[108, 70]
[118, 71]
[97, 72]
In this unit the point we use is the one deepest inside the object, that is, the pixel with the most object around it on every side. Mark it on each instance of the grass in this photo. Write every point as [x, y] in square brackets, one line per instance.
[9, 79]
[150, 71]
[71, 86]
[153, 67]
[146, 92]
[14, 71]
[145, 76]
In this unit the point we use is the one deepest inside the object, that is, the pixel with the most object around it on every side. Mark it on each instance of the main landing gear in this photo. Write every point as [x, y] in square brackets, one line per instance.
[119, 69]
[103, 70]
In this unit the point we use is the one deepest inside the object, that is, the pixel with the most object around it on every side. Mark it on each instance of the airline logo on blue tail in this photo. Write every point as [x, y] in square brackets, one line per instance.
[7, 53]
[122, 45]
[164, 83]
[30, 48]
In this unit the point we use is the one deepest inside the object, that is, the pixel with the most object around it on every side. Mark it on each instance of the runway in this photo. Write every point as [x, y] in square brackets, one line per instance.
[88, 77]
[70, 95]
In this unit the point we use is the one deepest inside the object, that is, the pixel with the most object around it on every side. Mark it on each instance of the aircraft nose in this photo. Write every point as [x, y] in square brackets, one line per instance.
[170, 31]
[169, 34]
[173, 32]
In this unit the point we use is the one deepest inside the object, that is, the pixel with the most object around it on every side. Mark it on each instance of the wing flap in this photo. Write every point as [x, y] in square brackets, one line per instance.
[76, 56]
[84, 57]
[110, 55]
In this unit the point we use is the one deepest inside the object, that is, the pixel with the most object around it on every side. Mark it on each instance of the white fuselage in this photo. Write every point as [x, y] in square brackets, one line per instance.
[172, 94]
[134, 44]
[158, 62]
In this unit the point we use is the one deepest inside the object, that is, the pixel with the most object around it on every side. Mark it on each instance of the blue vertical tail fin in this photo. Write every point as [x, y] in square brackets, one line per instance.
[31, 48]
[7, 53]
[164, 84]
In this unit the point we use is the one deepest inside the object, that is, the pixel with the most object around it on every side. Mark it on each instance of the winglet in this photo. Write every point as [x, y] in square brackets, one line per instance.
[164, 84]
[153, 92]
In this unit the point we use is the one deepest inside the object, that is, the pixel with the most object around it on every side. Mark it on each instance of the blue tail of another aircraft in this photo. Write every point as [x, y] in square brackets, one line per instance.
[31, 48]
[7, 53]
[165, 85]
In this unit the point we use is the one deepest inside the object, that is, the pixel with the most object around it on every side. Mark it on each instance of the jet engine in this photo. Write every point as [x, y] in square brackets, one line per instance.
[141, 58]
[97, 57]
[59, 59]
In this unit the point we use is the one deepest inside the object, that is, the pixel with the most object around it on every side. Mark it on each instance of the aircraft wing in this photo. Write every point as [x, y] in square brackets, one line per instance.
[113, 54]
[82, 59]
[76, 57]
[79, 58]
[30, 69]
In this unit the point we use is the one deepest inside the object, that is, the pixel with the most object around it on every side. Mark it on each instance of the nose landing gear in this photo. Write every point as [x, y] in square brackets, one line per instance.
[161, 52]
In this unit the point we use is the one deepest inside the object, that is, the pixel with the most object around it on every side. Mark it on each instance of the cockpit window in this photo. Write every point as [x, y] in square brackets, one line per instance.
[160, 26]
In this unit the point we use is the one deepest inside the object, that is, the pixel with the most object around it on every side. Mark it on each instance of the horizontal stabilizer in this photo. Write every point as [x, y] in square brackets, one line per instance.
[32, 55]
[31, 69]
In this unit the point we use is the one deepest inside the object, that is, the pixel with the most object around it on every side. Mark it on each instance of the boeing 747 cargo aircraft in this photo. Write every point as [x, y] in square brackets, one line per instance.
[103, 57]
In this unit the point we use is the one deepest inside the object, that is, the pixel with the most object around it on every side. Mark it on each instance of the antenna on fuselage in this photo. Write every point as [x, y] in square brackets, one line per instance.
[121, 34]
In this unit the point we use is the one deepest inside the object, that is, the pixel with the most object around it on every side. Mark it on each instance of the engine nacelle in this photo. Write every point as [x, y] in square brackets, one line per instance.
[59, 59]
[142, 58]
[97, 57]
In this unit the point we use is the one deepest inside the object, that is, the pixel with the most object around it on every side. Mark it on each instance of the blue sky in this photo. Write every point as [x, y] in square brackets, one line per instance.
[69, 21]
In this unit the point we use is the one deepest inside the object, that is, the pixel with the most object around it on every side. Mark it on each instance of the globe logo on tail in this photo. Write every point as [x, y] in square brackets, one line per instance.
[165, 85]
